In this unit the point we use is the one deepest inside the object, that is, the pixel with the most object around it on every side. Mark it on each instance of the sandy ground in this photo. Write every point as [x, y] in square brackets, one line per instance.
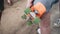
[12, 23]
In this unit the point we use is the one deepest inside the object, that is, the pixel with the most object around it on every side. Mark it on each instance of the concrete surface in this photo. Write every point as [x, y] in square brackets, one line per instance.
[54, 16]
[11, 22]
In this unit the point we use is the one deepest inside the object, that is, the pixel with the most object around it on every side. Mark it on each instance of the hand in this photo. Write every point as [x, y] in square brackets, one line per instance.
[29, 3]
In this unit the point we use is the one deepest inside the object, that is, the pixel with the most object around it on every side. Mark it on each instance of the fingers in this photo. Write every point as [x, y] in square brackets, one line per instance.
[29, 3]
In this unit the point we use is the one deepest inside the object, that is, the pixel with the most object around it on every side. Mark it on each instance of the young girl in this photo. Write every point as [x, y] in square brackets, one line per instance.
[44, 29]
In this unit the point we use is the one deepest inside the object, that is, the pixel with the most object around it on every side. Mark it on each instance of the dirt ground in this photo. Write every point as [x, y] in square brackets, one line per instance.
[12, 23]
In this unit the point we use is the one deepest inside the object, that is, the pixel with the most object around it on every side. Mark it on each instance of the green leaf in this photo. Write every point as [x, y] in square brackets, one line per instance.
[29, 23]
[24, 16]
[36, 20]
[27, 10]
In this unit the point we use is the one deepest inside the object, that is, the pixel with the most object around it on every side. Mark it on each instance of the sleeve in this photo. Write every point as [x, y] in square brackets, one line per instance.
[47, 3]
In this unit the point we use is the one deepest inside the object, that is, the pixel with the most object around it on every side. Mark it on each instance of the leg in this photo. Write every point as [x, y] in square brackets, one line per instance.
[45, 24]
